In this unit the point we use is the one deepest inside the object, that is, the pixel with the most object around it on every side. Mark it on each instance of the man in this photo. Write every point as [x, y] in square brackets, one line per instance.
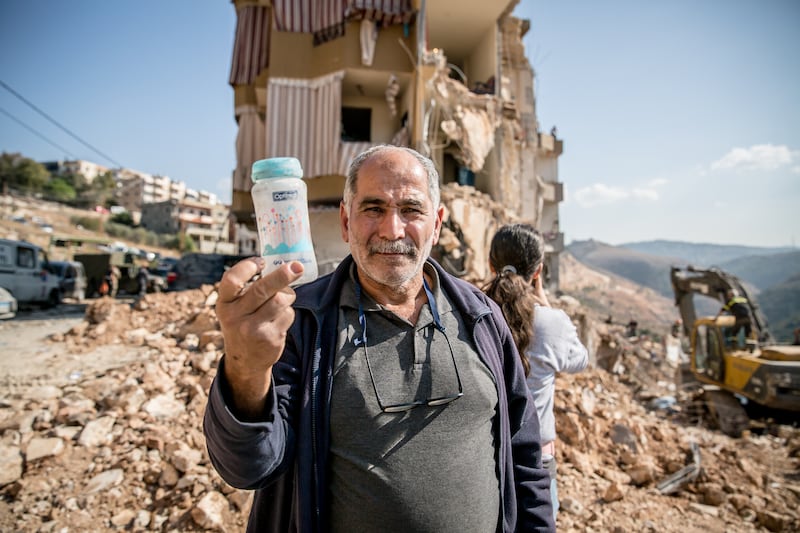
[738, 307]
[386, 396]
[142, 280]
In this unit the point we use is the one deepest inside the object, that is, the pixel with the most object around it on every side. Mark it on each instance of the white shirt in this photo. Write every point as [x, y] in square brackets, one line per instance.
[555, 348]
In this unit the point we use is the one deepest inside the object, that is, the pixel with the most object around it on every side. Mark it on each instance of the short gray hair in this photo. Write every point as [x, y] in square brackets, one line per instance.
[358, 162]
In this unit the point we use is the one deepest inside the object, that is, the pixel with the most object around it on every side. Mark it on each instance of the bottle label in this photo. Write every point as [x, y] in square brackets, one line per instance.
[283, 226]
[282, 196]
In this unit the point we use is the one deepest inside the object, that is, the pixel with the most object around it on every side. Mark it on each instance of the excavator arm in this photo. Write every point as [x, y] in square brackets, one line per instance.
[713, 283]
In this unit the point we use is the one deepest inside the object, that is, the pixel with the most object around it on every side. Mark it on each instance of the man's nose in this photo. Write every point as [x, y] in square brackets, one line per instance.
[392, 225]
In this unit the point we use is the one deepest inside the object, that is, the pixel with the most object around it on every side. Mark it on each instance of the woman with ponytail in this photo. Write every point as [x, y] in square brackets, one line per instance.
[546, 338]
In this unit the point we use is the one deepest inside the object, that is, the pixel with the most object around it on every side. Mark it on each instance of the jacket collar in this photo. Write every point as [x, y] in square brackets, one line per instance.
[322, 293]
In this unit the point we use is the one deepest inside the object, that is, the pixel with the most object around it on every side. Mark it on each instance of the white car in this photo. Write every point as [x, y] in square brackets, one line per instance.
[8, 304]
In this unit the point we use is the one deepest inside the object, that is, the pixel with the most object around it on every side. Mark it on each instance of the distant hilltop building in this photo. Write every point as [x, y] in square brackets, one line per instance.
[134, 188]
[87, 169]
[324, 80]
[161, 204]
[206, 223]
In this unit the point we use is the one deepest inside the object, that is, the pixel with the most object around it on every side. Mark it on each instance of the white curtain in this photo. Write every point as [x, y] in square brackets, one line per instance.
[250, 145]
[304, 121]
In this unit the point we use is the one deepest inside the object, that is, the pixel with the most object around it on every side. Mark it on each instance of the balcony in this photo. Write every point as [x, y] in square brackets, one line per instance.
[553, 241]
[550, 145]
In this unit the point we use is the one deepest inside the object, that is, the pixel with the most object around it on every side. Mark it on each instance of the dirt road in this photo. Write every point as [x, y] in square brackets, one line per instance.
[31, 354]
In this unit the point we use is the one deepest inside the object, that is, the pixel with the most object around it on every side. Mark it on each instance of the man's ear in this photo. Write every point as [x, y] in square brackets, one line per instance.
[344, 221]
[439, 220]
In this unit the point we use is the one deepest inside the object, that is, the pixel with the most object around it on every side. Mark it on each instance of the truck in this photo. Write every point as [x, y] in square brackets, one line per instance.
[731, 367]
[25, 273]
[97, 266]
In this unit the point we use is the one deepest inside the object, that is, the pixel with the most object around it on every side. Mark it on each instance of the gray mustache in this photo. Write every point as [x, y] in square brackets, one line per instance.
[393, 247]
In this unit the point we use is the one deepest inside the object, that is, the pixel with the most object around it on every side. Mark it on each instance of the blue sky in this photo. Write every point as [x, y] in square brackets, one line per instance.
[680, 119]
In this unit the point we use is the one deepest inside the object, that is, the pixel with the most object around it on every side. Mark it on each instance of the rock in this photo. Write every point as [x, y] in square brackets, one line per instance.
[213, 338]
[704, 509]
[155, 379]
[184, 459]
[169, 476]
[572, 506]
[43, 392]
[773, 521]
[713, 494]
[242, 499]
[641, 474]
[10, 464]
[613, 493]
[39, 447]
[204, 320]
[123, 518]
[210, 512]
[570, 430]
[623, 435]
[164, 406]
[97, 432]
[22, 422]
[105, 480]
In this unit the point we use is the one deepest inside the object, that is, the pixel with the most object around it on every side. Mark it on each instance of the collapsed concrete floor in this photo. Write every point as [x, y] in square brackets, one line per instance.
[124, 449]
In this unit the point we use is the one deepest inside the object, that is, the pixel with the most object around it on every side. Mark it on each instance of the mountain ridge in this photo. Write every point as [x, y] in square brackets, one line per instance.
[770, 272]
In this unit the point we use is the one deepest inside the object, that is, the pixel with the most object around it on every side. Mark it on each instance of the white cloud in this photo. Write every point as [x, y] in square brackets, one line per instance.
[599, 194]
[658, 182]
[602, 194]
[757, 157]
[645, 194]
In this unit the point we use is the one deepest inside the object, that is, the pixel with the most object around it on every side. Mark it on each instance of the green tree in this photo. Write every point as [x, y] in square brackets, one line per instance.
[98, 192]
[123, 218]
[59, 190]
[22, 173]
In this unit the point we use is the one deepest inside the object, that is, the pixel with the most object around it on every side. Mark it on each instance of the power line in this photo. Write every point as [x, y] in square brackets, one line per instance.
[30, 129]
[54, 121]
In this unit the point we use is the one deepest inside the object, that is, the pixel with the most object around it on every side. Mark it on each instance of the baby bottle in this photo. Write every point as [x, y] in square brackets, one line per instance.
[281, 206]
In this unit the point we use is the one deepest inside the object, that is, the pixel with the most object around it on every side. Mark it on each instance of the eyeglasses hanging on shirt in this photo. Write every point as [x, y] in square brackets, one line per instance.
[437, 326]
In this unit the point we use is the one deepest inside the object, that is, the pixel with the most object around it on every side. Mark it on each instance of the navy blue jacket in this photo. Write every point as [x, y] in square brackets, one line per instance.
[285, 456]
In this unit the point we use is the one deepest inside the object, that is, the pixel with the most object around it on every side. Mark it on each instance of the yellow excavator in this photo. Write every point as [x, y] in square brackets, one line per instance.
[729, 365]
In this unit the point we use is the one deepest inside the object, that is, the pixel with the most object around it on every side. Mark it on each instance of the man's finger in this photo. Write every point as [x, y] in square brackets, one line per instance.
[234, 281]
[270, 284]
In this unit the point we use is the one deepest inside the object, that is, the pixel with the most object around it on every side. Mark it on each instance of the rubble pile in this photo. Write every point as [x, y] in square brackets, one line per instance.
[614, 455]
[124, 449]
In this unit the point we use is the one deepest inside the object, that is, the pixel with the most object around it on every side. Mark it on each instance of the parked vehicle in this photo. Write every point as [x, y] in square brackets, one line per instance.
[196, 269]
[72, 278]
[8, 304]
[97, 265]
[24, 273]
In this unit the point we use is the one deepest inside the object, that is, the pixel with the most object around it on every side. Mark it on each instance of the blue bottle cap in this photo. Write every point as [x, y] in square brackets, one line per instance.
[276, 167]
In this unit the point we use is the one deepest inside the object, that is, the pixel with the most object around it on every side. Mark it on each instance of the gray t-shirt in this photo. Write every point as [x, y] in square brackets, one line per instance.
[426, 469]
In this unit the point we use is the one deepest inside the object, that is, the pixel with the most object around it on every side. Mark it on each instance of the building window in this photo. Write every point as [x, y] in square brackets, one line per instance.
[356, 124]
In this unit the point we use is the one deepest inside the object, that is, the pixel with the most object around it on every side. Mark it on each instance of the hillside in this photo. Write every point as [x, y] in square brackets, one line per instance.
[699, 254]
[781, 304]
[766, 276]
[647, 270]
[37, 221]
[765, 271]
[606, 295]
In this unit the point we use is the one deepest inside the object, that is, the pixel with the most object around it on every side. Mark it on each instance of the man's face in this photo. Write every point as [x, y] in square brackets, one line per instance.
[391, 224]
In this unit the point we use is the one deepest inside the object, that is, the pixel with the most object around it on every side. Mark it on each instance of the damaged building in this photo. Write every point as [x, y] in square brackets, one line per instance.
[322, 81]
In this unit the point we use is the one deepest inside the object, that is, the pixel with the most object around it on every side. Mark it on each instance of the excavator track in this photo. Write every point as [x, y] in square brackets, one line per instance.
[727, 413]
